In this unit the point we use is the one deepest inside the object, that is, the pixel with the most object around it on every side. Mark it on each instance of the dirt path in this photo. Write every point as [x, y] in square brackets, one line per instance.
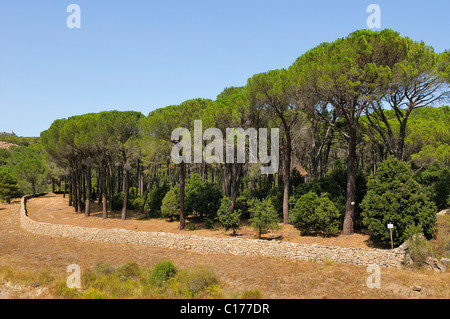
[274, 278]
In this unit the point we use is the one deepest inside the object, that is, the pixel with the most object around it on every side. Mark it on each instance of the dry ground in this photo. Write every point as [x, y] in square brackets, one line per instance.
[275, 278]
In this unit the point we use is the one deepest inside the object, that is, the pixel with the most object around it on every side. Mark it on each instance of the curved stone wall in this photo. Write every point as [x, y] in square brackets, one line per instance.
[235, 246]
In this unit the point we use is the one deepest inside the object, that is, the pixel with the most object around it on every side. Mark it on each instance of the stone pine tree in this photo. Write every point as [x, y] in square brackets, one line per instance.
[8, 185]
[268, 91]
[346, 76]
[161, 124]
[418, 80]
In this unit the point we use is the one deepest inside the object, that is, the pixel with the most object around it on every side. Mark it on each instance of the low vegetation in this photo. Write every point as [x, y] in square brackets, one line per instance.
[133, 281]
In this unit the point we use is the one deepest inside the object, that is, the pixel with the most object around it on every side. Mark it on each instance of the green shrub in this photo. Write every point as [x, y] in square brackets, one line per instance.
[92, 293]
[228, 219]
[170, 207]
[162, 272]
[202, 198]
[313, 213]
[334, 183]
[128, 271]
[251, 294]
[209, 223]
[194, 283]
[103, 269]
[264, 217]
[394, 197]
[117, 201]
[8, 185]
[242, 204]
[419, 250]
[155, 199]
[436, 178]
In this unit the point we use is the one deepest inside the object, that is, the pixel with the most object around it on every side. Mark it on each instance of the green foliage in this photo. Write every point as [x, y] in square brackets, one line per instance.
[195, 283]
[155, 199]
[133, 281]
[251, 294]
[275, 196]
[162, 272]
[170, 207]
[202, 198]
[393, 196]
[427, 135]
[436, 179]
[128, 271]
[4, 156]
[419, 249]
[313, 213]
[228, 219]
[117, 201]
[92, 293]
[334, 183]
[8, 185]
[31, 171]
[264, 217]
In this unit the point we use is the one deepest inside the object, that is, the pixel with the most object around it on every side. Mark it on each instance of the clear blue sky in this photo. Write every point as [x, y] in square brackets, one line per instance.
[143, 55]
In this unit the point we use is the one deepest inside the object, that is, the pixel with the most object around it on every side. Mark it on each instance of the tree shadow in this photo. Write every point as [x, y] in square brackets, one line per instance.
[374, 244]
[270, 238]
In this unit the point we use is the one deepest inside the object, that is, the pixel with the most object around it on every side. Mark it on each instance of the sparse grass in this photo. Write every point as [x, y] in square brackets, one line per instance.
[132, 281]
[25, 277]
[251, 294]
[421, 249]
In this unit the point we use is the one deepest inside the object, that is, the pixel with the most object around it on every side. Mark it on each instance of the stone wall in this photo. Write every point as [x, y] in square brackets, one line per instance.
[235, 246]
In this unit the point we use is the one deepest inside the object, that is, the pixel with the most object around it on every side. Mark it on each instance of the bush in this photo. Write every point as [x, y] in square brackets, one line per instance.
[170, 207]
[228, 219]
[393, 196]
[264, 217]
[155, 198]
[117, 201]
[92, 293]
[334, 183]
[128, 271]
[195, 282]
[209, 200]
[419, 250]
[202, 198]
[251, 294]
[436, 178]
[313, 213]
[242, 203]
[162, 272]
[8, 185]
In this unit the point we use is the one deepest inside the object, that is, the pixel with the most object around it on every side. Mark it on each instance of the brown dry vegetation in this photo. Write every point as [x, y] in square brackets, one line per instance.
[26, 258]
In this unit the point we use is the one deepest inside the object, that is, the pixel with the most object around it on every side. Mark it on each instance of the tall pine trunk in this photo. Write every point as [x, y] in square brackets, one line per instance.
[182, 187]
[104, 192]
[87, 209]
[347, 228]
[126, 191]
[287, 177]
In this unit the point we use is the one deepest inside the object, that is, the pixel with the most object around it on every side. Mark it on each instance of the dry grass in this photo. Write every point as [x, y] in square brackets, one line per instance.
[30, 254]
